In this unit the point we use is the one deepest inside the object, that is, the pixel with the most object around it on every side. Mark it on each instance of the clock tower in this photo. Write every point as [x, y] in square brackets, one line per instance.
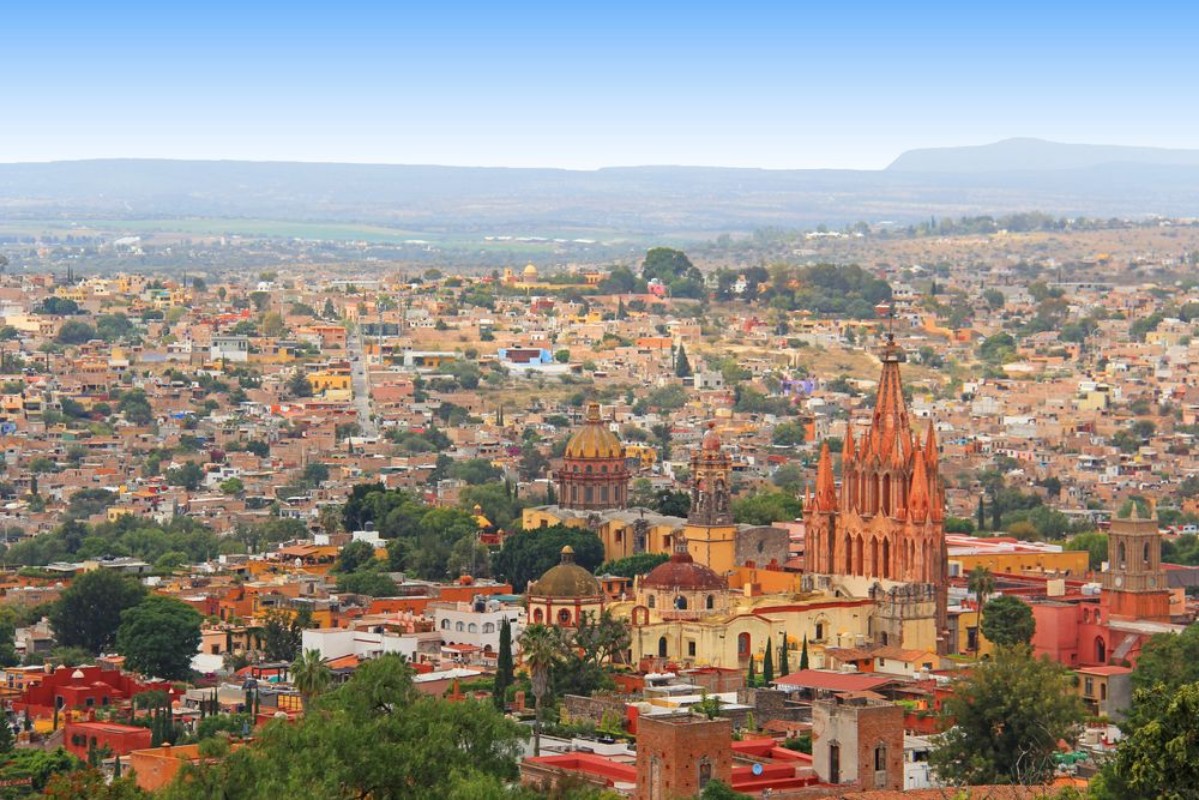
[1134, 586]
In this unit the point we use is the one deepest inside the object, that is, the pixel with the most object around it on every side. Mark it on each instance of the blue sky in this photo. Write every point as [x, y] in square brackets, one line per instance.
[585, 85]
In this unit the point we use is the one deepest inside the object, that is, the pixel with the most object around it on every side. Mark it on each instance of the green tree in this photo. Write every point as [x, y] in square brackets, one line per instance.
[803, 654]
[667, 265]
[504, 672]
[768, 663]
[682, 366]
[1008, 621]
[88, 614]
[311, 676]
[190, 475]
[298, 385]
[719, 790]
[282, 632]
[91, 784]
[527, 555]
[788, 434]
[375, 737]
[74, 331]
[232, 486]
[766, 508]
[1095, 546]
[355, 556]
[476, 471]
[159, 636]
[1159, 759]
[634, 565]
[368, 582]
[1009, 714]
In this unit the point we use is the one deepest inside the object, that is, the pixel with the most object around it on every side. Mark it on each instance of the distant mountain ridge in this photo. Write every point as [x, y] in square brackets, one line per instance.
[1026, 154]
[1011, 176]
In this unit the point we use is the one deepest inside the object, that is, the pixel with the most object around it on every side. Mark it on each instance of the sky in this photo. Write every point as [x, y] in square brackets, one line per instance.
[584, 85]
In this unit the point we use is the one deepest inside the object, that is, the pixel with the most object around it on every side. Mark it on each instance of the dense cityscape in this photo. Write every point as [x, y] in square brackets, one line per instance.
[659, 529]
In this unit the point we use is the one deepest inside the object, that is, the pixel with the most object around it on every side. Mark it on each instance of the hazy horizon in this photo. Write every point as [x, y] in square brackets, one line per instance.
[540, 85]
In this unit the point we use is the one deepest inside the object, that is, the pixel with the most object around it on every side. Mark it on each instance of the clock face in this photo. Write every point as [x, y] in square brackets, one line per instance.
[1119, 581]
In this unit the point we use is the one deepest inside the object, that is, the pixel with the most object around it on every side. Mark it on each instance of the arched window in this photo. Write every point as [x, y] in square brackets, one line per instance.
[538, 616]
[445, 624]
[472, 628]
[488, 627]
[588, 469]
[650, 601]
[1121, 556]
[711, 601]
[1146, 556]
[564, 617]
[887, 495]
[1100, 650]
[743, 644]
[461, 626]
[604, 469]
[680, 603]
[661, 647]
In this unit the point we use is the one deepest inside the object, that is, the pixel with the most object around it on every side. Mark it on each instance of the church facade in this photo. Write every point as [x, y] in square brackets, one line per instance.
[881, 534]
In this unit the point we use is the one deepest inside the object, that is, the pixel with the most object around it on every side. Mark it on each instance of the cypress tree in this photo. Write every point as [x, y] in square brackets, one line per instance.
[784, 662]
[6, 737]
[752, 677]
[803, 655]
[996, 516]
[682, 367]
[503, 670]
[982, 514]
[768, 663]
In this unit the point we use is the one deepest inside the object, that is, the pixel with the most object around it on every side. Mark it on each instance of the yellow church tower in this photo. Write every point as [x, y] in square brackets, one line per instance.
[710, 532]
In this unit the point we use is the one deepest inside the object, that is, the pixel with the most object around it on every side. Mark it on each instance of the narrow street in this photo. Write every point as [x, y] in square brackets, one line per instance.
[361, 384]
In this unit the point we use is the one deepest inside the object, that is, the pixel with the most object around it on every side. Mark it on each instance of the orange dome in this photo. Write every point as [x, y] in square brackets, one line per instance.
[681, 572]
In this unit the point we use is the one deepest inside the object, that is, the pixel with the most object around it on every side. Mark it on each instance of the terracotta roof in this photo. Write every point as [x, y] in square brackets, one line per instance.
[833, 681]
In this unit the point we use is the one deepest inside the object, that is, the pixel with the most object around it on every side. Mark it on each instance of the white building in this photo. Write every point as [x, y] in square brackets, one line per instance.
[229, 348]
[477, 623]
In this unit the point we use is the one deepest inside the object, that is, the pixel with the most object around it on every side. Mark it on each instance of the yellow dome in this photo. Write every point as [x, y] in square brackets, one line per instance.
[567, 579]
[530, 271]
[594, 440]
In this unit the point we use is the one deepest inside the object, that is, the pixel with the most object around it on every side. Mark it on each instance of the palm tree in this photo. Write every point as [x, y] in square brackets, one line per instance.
[982, 583]
[541, 647]
[310, 675]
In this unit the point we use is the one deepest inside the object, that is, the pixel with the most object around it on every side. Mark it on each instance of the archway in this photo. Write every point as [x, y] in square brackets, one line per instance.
[1100, 650]
[661, 647]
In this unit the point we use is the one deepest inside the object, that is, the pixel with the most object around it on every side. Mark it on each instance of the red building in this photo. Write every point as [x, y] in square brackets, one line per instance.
[121, 740]
[83, 687]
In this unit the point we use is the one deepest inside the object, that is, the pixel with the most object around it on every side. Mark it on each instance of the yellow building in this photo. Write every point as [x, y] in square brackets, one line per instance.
[698, 638]
[332, 385]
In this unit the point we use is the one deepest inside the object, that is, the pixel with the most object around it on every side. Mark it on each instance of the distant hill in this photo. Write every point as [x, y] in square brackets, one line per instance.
[640, 202]
[1036, 155]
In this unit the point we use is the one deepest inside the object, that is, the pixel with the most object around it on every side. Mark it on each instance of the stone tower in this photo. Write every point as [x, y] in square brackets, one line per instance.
[1134, 586]
[711, 534]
